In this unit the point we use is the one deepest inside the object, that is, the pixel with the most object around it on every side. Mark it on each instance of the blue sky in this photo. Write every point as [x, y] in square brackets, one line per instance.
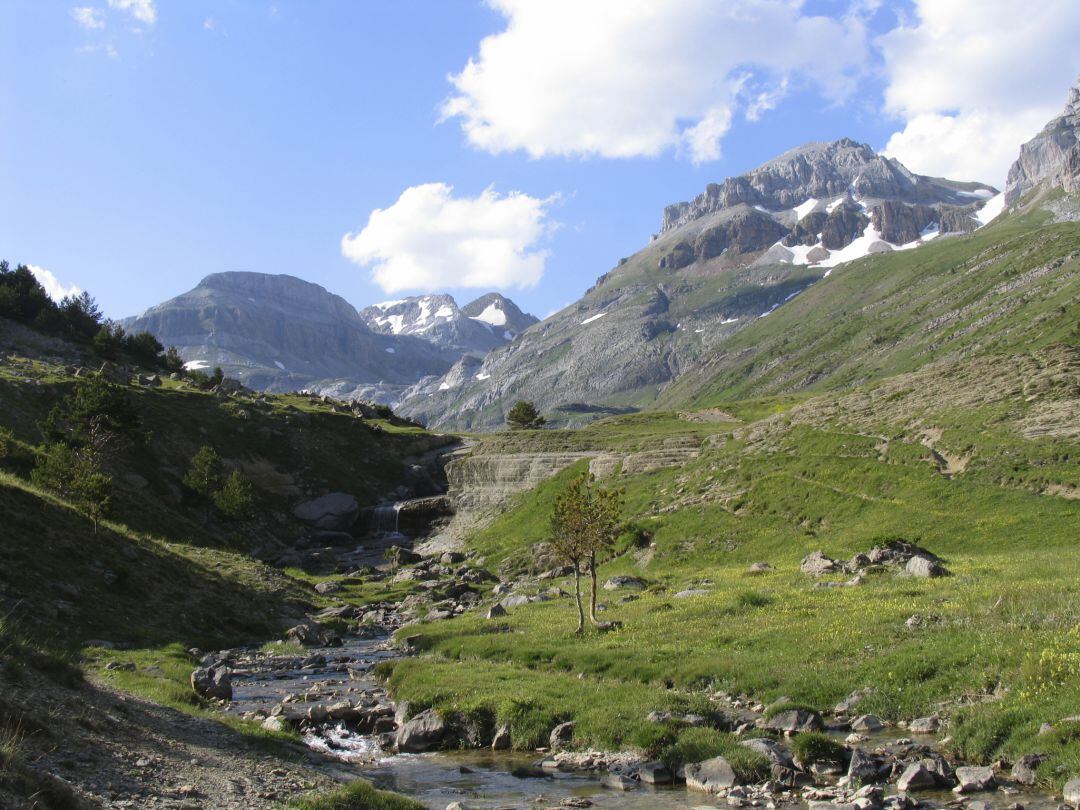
[147, 143]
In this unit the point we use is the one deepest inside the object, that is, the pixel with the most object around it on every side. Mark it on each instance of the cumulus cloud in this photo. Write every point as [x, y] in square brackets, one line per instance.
[92, 19]
[429, 239]
[615, 78]
[56, 290]
[973, 79]
[141, 10]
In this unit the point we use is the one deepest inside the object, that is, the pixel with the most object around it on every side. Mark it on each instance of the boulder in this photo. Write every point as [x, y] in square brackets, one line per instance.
[422, 733]
[212, 682]
[760, 568]
[330, 586]
[974, 779]
[624, 581]
[496, 611]
[690, 593]
[794, 720]
[614, 781]
[864, 767]
[916, 777]
[335, 511]
[561, 736]
[655, 773]
[1071, 793]
[925, 725]
[816, 563]
[771, 749]
[1024, 769]
[867, 723]
[711, 776]
[925, 567]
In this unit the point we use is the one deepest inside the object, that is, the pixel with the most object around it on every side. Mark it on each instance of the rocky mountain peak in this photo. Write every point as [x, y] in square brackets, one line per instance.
[1051, 158]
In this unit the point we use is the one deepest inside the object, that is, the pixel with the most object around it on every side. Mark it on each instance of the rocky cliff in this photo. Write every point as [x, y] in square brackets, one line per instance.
[734, 254]
[279, 333]
[1051, 158]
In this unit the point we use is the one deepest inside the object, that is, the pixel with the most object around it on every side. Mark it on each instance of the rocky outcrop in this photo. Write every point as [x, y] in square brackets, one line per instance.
[336, 511]
[843, 225]
[1051, 158]
[900, 223]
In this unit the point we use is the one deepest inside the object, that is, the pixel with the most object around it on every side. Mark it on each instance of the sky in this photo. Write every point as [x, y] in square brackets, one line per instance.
[384, 148]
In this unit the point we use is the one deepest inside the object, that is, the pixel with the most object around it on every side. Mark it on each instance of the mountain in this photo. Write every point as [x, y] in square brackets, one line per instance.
[487, 323]
[1052, 158]
[732, 255]
[280, 333]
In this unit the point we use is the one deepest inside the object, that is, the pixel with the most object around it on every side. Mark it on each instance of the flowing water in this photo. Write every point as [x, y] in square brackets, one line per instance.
[479, 779]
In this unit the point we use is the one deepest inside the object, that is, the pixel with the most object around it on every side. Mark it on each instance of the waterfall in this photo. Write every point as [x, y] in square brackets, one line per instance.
[384, 520]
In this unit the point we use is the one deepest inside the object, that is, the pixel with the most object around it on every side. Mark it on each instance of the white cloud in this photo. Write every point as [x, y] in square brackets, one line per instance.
[56, 290]
[141, 10]
[430, 240]
[616, 78]
[92, 19]
[209, 24]
[973, 79]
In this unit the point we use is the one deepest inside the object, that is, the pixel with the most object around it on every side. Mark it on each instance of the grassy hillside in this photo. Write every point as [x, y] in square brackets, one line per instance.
[972, 458]
[1009, 287]
[86, 611]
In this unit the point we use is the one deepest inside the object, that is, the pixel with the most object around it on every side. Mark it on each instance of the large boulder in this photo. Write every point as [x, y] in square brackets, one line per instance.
[423, 733]
[1071, 793]
[212, 682]
[794, 720]
[335, 511]
[816, 563]
[924, 567]
[712, 775]
[974, 779]
[624, 581]
[1024, 769]
[561, 735]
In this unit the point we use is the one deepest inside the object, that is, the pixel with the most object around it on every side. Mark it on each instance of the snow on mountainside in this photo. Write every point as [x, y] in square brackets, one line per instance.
[475, 329]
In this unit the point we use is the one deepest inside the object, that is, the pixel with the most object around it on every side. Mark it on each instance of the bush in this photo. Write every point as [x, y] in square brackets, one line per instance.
[359, 795]
[524, 416]
[811, 747]
[236, 499]
[698, 744]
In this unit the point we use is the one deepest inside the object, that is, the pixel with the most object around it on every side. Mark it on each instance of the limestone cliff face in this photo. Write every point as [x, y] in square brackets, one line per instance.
[277, 333]
[1051, 158]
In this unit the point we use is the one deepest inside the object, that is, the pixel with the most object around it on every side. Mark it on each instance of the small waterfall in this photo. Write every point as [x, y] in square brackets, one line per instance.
[384, 520]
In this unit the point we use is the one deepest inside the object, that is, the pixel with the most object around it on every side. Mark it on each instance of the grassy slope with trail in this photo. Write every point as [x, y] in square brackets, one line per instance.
[961, 437]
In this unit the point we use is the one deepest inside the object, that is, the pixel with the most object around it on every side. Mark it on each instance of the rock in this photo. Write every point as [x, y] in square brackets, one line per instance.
[794, 720]
[868, 723]
[501, 741]
[771, 749]
[925, 725]
[816, 563]
[561, 736]
[760, 568]
[974, 779]
[852, 700]
[1071, 793]
[336, 511]
[614, 781]
[624, 581]
[655, 773]
[327, 587]
[514, 600]
[690, 593]
[1024, 769]
[212, 682]
[496, 611]
[864, 767]
[421, 733]
[712, 775]
[917, 777]
[925, 567]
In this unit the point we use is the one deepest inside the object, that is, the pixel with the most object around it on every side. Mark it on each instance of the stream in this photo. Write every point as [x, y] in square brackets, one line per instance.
[477, 779]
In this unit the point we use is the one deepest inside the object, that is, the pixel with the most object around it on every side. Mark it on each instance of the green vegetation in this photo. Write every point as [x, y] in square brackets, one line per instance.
[814, 747]
[524, 416]
[358, 795]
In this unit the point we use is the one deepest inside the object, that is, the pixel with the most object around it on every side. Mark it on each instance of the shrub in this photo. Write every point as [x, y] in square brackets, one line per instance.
[811, 747]
[524, 416]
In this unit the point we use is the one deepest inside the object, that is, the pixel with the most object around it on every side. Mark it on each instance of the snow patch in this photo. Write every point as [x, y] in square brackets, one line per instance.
[445, 386]
[792, 295]
[768, 311]
[835, 204]
[978, 194]
[444, 312]
[279, 364]
[806, 207]
[728, 320]
[492, 315]
[992, 210]
[390, 350]
[196, 365]
[593, 318]
[387, 305]
[483, 376]
[508, 335]
[396, 323]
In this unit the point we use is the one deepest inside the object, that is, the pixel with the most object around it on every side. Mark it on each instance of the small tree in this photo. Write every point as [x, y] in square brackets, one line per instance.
[236, 499]
[76, 476]
[173, 362]
[585, 524]
[524, 416]
[205, 474]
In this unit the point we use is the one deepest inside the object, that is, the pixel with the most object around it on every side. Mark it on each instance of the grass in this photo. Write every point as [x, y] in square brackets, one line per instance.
[814, 747]
[699, 744]
[997, 647]
[358, 795]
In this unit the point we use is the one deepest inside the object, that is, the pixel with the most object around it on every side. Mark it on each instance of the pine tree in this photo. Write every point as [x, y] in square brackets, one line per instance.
[205, 474]
[524, 416]
[236, 499]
